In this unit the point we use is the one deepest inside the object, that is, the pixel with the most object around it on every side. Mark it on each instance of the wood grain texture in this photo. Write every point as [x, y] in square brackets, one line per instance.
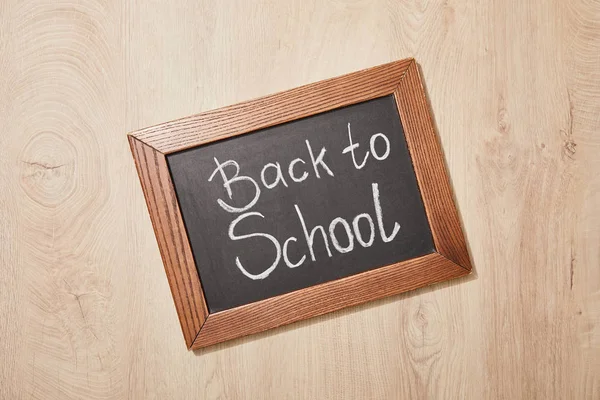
[327, 297]
[172, 238]
[85, 309]
[428, 162]
[274, 109]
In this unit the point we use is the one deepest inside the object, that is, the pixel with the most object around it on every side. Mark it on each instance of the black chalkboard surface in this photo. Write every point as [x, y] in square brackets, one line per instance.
[301, 203]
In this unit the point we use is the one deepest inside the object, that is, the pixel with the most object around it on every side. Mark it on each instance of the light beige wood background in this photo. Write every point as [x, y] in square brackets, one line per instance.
[85, 309]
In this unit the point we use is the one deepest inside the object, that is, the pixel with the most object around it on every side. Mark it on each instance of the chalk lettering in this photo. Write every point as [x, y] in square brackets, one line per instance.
[351, 148]
[227, 185]
[318, 160]
[285, 254]
[291, 170]
[334, 239]
[358, 234]
[387, 146]
[271, 175]
[379, 214]
[233, 236]
[278, 176]
[310, 237]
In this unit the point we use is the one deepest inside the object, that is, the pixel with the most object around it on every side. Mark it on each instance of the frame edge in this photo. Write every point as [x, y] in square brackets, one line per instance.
[282, 107]
[430, 168]
[326, 297]
[171, 237]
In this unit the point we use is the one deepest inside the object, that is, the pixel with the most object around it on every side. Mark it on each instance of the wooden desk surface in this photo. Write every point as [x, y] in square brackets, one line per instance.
[85, 308]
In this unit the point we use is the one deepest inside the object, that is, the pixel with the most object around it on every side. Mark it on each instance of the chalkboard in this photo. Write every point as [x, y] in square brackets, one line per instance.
[351, 179]
[300, 203]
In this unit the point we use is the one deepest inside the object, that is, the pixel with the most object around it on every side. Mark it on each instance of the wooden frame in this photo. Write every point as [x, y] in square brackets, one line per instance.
[151, 145]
